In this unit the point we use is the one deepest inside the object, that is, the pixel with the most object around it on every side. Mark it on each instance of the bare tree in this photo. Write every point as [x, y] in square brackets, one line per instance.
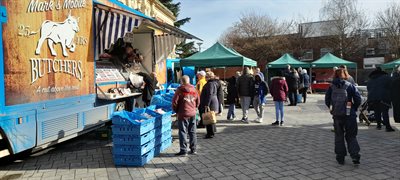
[346, 21]
[258, 36]
[389, 21]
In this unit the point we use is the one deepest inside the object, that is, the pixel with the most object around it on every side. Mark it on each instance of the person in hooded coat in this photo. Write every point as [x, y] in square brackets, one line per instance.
[260, 92]
[209, 99]
[395, 97]
[292, 80]
[279, 90]
[379, 97]
[345, 125]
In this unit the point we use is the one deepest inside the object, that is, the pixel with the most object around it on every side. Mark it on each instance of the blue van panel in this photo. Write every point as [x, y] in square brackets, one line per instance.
[20, 133]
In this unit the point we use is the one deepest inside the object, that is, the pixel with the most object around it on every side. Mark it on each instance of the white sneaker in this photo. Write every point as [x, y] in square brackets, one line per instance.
[260, 120]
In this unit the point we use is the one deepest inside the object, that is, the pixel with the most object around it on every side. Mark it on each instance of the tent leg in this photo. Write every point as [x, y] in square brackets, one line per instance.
[311, 81]
[356, 75]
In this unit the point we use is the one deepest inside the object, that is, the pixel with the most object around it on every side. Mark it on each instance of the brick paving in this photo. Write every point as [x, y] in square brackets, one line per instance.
[302, 149]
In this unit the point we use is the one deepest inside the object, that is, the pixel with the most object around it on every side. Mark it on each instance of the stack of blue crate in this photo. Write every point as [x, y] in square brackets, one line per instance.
[133, 139]
[163, 132]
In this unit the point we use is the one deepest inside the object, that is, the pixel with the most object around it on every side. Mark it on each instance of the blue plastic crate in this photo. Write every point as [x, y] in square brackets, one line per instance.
[133, 149]
[129, 118]
[161, 129]
[133, 130]
[162, 118]
[133, 160]
[163, 146]
[134, 140]
[164, 136]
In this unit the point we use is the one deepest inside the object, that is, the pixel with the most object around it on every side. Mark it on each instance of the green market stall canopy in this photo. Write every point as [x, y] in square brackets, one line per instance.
[217, 56]
[285, 60]
[330, 61]
[391, 65]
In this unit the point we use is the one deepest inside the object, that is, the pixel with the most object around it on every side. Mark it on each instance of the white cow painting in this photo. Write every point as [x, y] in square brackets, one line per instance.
[59, 32]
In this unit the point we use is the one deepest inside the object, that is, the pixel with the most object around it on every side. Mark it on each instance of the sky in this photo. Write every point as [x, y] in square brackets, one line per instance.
[211, 18]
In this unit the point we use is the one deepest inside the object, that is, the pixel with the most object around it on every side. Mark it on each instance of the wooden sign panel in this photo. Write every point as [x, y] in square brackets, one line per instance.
[48, 50]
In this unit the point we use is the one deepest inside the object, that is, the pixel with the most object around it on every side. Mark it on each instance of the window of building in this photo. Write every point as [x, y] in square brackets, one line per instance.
[326, 50]
[307, 55]
[370, 51]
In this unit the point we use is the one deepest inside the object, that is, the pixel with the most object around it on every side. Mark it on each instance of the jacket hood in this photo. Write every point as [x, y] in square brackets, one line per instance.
[338, 82]
[278, 77]
[259, 75]
[186, 88]
[377, 73]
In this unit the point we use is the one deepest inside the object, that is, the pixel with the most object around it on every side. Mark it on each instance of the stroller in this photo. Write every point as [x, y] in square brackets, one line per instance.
[366, 114]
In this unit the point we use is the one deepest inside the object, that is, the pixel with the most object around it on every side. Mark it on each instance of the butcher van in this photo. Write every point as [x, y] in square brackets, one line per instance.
[60, 76]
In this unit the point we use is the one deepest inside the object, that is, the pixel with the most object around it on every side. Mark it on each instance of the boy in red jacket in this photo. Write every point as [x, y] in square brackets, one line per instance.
[185, 103]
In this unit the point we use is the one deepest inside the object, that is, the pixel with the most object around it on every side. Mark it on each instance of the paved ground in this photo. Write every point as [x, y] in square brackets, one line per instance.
[302, 149]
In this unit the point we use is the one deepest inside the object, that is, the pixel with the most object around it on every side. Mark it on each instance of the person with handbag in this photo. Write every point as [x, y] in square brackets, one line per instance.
[209, 104]
[185, 102]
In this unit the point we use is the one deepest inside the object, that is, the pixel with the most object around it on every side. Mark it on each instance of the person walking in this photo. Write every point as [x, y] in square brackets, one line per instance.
[293, 83]
[260, 92]
[232, 96]
[379, 98]
[279, 90]
[306, 84]
[343, 100]
[209, 99]
[245, 85]
[185, 102]
[258, 71]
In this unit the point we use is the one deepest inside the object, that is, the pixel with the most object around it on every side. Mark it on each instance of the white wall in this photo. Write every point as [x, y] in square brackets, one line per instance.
[144, 42]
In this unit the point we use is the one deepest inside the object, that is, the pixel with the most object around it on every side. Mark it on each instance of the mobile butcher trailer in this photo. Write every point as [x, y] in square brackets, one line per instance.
[50, 88]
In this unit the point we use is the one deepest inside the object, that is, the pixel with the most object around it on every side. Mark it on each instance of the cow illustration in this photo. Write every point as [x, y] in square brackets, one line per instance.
[59, 32]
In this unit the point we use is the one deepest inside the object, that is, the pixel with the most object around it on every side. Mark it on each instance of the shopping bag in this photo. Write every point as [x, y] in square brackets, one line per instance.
[209, 117]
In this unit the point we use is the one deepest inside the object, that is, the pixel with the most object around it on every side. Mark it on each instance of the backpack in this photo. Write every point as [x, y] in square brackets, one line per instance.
[339, 99]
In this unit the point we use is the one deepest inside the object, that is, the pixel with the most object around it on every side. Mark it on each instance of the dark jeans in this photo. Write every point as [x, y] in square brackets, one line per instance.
[293, 97]
[396, 112]
[381, 111]
[187, 126]
[304, 93]
[346, 129]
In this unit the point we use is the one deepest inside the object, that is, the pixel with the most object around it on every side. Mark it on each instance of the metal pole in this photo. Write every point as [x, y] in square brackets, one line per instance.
[356, 74]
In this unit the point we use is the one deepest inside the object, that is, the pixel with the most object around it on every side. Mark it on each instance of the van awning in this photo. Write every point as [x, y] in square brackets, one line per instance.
[172, 30]
[110, 25]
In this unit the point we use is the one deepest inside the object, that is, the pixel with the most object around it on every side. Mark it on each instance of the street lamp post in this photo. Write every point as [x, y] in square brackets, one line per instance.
[199, 43]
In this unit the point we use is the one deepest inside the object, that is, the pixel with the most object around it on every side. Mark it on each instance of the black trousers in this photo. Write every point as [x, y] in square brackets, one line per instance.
[292, 96]
[381, 112]
[396, 112]
[346, 129]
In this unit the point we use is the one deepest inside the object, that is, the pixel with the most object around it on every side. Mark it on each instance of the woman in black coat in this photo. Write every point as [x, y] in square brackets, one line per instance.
[232, 97]
[209, 98]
